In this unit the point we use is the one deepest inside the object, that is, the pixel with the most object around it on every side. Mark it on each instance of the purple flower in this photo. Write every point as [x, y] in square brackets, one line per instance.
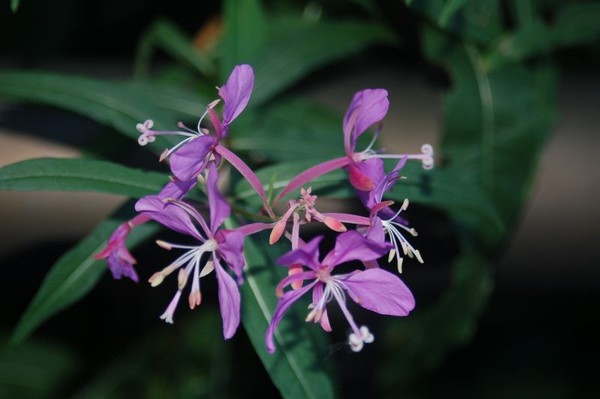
[220, 246]
[383, 220]
[367, 108]
[191, 156]
[373, 289]
[119, 259]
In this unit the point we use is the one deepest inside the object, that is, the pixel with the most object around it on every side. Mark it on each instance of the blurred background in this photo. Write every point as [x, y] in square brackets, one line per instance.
[535, 335]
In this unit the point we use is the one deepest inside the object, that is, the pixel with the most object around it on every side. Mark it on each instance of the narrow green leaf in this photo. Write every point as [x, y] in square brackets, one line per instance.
[14, 5]
[245, 33]
[300, 366]
[496, 122]
[298, 49]
[54, 174]
[73, 276]
[168, 37]
[288, 131]
[479, 21]
[110, 103]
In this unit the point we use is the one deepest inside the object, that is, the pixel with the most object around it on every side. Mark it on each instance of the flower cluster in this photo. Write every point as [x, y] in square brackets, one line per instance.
[197, 158]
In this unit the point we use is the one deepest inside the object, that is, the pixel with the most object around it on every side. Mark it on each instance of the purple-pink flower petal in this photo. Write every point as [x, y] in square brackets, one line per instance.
[229, 300]
[367, 108]
[351, 245]
[231, 248]
[236, 92]
[282, 306]
[189, 160]
[380, 291]
[219, 207]
[120, 267]
[307, 255]
[167, 214]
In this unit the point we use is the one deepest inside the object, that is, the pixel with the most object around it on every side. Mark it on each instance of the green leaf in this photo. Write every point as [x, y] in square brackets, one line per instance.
[168, 37]
[113, 104]
[420, 342]
[574, 24]
[479, 21]
[496, 122]
[14, 5]
[300, 366]
[53, 174]
[288, 130]
[245, 33]
[73, 276]
[25, 371]
[295, 50]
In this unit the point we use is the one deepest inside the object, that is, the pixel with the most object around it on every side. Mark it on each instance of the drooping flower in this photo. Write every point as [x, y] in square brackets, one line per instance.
[367, 108]
[373, 289]
[221, 246]
[119, 259]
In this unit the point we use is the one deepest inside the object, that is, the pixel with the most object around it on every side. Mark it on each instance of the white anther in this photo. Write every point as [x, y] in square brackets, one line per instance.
[356, 344]
[367, 337]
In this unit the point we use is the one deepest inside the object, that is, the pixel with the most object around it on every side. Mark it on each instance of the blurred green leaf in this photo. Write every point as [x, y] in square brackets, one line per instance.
[168, 37]
[73, 276]
[300, 367]
[110, 103]
[34, 369]
[288, 130]
[496, 122]
[574, 24]
[14, 5]
[245, 34]
[190, 360]
[295, 50]
[420, 342]
[479, 21]
[179, 101]
[79, 175]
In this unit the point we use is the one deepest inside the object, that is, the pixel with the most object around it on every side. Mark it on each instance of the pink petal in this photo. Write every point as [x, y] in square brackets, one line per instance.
[189, 160]
[367, 108]
[236, 92]
[282, 306]
[229, 300]
[351, 245]
[307, 255]
[218, 206]
[380, 291]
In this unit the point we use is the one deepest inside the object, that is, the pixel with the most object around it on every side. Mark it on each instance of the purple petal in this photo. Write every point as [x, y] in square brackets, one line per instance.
[367, 108]
[120, 267]
[177, 189]
[218, 206]
[376, 232]
[229, 300]
[244, 170]
[236, 92]
[167, 214]
[317, 294]
[307, 255]
[380, 291]
[231, 248]
[312, 173]
[351, 245]
[282, 306]
[188, 161]
[374, 169]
